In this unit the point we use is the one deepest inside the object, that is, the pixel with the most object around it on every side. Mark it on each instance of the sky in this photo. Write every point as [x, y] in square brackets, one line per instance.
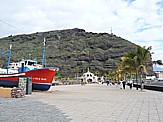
[139, 21]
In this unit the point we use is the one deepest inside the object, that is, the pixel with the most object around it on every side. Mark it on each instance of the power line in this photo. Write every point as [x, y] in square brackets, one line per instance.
[11, 25]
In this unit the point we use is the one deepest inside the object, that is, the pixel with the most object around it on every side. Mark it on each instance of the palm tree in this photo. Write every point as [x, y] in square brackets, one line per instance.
[142, 57]
[129, 63]
[136, 61]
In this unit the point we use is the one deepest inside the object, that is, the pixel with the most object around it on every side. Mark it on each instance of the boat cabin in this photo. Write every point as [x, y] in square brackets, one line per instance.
[27, 65]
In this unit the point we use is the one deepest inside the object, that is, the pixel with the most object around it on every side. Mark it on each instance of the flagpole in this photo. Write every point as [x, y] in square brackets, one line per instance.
[43, 56]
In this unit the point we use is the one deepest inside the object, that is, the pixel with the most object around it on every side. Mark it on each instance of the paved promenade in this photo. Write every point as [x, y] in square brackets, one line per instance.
[87, 103]
[101, 103]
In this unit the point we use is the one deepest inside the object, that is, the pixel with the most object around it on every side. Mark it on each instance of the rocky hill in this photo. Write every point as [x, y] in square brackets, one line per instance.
[72, 50]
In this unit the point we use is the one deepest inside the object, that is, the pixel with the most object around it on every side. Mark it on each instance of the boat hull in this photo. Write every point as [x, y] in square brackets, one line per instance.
[41, 78]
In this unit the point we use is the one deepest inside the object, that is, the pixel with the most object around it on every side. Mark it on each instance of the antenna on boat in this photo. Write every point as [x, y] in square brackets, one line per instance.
[9, 58]
[43, 56]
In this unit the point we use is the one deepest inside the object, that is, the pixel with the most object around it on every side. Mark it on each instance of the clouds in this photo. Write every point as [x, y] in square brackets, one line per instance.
[135, 20]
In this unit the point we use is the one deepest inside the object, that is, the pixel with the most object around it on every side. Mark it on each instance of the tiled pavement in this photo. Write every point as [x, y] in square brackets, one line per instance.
[102, 103]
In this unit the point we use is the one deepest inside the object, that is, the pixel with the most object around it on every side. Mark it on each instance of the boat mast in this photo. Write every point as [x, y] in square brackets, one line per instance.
[43, 56]
[9, 58]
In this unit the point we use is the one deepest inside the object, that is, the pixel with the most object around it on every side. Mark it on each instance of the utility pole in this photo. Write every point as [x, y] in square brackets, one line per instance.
[111, 31]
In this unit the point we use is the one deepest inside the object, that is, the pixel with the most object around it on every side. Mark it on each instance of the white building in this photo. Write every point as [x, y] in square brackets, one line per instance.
[89, 77]
[158, 69]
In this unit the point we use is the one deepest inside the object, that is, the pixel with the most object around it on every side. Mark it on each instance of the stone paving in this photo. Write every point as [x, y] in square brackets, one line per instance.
[102, 103]
[29, 110]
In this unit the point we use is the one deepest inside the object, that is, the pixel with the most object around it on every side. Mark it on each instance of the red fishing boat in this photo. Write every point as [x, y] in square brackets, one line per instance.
[41, 77]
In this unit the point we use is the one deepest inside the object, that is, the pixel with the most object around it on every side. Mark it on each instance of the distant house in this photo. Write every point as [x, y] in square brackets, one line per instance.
[158, 69]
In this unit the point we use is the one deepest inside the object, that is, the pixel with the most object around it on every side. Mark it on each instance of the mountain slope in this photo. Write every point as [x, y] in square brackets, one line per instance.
[72, 50]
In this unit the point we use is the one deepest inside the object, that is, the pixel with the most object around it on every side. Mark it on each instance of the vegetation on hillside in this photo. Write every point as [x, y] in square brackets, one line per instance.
[72, 50]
